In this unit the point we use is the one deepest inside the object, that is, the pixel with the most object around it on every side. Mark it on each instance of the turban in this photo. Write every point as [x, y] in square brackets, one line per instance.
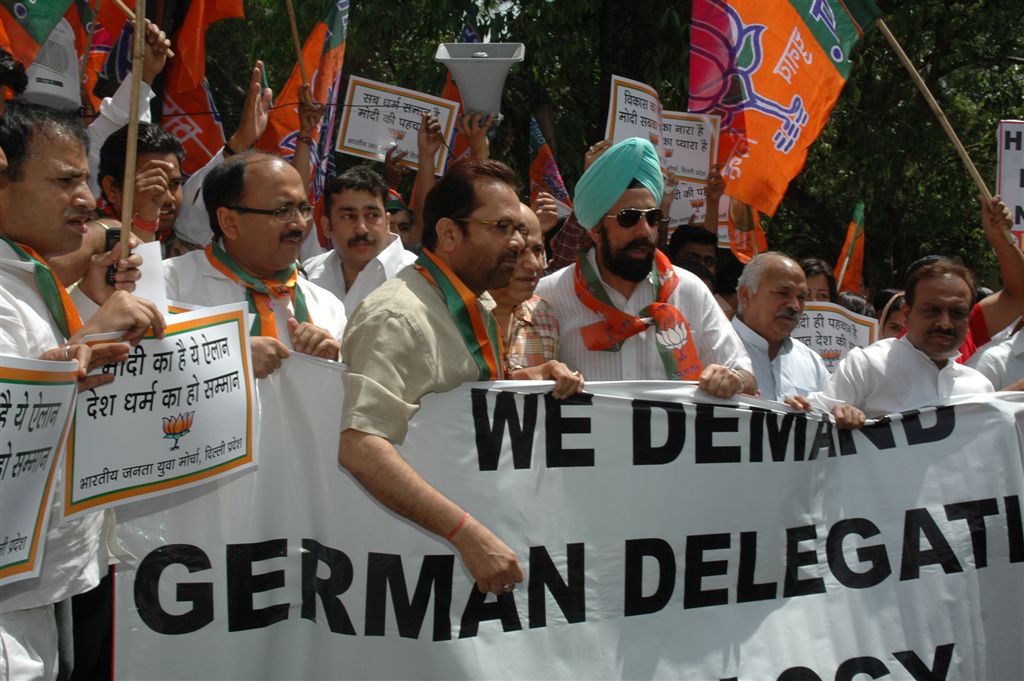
[610, 175]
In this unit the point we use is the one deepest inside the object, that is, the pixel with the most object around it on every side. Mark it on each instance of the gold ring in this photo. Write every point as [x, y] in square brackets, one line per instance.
[577, 374]
[508, 587]
[67, 353]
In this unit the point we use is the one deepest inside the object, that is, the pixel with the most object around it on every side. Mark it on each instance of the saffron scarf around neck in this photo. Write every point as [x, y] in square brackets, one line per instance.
[479, 329]
[55, 295]
[673, 338]
[261, 293]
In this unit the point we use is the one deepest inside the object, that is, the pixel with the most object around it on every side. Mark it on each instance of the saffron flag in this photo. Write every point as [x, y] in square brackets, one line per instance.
[544, 173]
[850, 267]
[190, 42]
[323, 55]
[25, 26]
[459, 147]
[746, 237]
[773, 71]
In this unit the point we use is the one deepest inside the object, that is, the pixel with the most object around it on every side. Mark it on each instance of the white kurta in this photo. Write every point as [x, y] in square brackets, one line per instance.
[1001, 362]
[190, 278]
[113, 115]
[795, 370]
[638, 358]
[74, 554]
[325, 271]
[892, 376]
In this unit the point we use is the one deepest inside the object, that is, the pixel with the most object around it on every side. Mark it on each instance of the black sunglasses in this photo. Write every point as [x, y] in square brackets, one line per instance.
[628, 217]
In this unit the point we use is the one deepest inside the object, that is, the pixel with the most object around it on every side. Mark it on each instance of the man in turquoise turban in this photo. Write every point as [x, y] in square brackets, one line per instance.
[608, 302]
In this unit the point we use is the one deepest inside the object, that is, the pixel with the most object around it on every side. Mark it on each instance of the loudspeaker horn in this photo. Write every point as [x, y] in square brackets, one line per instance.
[479, 69]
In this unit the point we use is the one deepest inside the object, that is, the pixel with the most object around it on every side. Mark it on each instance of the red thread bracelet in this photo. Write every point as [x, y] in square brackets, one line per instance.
[145, 225]
[458, 526]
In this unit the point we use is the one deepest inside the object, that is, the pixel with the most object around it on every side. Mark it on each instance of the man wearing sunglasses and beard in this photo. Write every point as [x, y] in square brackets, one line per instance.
[626, 313]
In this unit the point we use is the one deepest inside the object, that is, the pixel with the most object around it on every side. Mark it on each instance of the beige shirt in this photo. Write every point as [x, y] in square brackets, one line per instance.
[401, 344]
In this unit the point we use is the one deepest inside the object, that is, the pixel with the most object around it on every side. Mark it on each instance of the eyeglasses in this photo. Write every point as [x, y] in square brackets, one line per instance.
[508, 228]
[282, 214]
[628, 217]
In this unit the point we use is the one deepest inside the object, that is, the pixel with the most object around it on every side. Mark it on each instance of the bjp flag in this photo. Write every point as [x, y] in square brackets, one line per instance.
[746, 237]
[25, 26]
[850, 267]
[773, 71]
[544, 173]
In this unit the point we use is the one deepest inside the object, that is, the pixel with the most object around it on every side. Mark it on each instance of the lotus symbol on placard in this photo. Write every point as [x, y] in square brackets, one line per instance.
[177, 427]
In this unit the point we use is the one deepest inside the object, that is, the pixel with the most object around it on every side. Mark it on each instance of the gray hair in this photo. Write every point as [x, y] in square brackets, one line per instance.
[754, 271]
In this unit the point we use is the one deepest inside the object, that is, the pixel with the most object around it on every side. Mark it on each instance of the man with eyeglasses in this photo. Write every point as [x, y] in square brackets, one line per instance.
[365, 253]
[626, 313]
[430, 329]
[259, 216]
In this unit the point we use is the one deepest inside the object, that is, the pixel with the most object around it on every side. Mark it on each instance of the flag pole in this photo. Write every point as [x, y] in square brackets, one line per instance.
[131, 15]
[295, 39]
[128, 184]
[847, 257]
[919, 82]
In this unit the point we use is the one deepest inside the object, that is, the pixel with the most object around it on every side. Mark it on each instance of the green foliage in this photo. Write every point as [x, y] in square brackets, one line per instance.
[882, 145]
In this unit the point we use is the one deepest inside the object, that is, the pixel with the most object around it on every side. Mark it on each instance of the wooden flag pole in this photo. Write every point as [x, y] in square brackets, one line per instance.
[128, 184]
[842, 272]
[295, 39]
[919, 82]
[131, 15]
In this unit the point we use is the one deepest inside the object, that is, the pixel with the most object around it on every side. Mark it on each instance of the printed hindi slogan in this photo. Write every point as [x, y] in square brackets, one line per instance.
[634, 111]
[831, 330]
[379, 116]
[36, 400]
[689, 145]
[179, 413]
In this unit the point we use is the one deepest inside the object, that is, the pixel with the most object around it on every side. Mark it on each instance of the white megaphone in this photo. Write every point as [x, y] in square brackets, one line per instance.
[479, 69]
[53, 77]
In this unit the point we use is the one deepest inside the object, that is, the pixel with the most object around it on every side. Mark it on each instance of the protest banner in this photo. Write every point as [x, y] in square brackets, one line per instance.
[379, 116]
[831, 330]
[690, 144]
[662, 534]
[36, 400]
[179, 413]
[1010, 173]
[634, 110]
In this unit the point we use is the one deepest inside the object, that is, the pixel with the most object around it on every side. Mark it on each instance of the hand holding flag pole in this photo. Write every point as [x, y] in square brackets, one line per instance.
[131, 15]
[919, 82]
[138, 54]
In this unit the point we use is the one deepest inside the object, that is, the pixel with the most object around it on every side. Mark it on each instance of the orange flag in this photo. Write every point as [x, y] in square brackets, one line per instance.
[850, 267]
[190, 41]
[773, 71]
[746, 238]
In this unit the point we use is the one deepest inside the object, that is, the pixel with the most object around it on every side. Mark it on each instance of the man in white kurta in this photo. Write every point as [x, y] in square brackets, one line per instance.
[644, 317]
[259, 216]
[772, 291]
[919, 369]
[364, 252]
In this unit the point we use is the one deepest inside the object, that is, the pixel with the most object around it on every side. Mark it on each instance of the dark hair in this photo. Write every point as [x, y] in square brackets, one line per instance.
[357, 178]
[455, 196]
[12, 73]
[812, 267]
[152, 140]
[686, 234]
[225, 184]
[855, 303]
[20, 123]
[882, 298]
[727, 273]
[937, 266]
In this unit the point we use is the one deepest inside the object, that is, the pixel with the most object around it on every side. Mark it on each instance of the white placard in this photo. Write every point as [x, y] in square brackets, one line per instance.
[1010, 172]
[379, 116]
[634, 110]
[36, 404]
[180, 412]
[831, 330]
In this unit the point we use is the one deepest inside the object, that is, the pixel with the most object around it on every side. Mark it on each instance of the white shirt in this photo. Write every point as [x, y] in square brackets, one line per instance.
[796, 369]
[75, 553]
[1001, 362]
[325, 270]
[892, 376]
[190, 278]
[638, 358]
[113, 115]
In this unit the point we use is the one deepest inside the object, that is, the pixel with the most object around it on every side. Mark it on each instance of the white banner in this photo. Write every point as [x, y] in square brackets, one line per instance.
[36, 403]
[662, 535]
[1010, 172]
[180, 412]
[832, 331]
[379, 116]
